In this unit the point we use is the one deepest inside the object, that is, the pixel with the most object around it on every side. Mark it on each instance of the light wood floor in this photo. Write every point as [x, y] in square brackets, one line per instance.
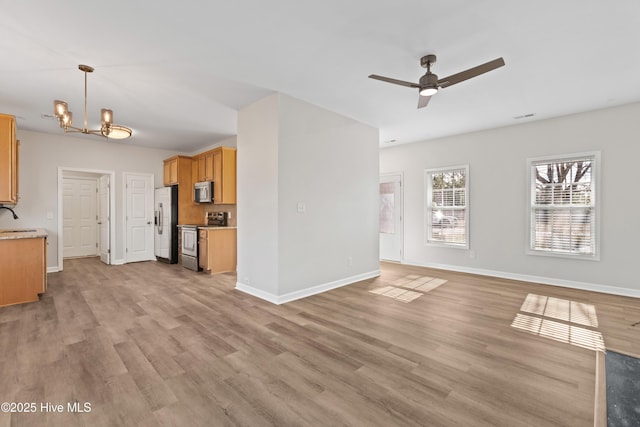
[154, 344]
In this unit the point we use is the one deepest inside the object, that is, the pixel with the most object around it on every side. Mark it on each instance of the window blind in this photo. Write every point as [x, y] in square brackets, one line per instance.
[563, 206]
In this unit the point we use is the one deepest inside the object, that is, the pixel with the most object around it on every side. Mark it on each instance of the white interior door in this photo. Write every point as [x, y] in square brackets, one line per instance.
[139, 217]
[79, 210]
[104, 221]
[391, 217]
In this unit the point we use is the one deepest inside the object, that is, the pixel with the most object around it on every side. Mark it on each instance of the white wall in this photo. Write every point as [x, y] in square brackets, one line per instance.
[42, 154]
[257, 195]
[291, 152]
[331, 164]
[498, 204]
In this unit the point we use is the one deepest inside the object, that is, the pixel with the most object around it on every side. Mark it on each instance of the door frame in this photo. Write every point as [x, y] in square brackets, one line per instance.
[112, 208]
[401, 232]
[151, 177]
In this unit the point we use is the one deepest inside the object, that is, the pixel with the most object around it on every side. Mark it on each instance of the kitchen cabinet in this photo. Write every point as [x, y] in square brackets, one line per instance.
[218, 253]
[8, 160]
[178, 171]
[23, 262]
[204, 166]
[224, 175]
[171, 166]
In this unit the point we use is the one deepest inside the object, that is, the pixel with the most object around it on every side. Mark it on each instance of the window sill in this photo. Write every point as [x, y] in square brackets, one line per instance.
[590, 257]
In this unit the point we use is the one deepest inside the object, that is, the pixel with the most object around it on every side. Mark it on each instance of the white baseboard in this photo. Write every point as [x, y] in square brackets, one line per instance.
[54, 269]
[585, 286]
[117, 262]
[281, 299]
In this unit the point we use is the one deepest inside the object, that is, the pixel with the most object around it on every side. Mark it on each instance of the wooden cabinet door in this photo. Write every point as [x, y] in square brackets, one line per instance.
[216, 164]
[224, 175]
[202, 175]
[203, 255]
[8, 160]
[208, 167]
[167, 172]
[171, 171]
[24, 267]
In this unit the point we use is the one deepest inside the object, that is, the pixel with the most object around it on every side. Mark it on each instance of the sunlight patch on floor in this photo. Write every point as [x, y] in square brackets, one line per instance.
[537, 312]
[409, 288]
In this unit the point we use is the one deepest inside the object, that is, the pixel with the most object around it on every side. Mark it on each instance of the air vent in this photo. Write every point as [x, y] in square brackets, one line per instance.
[524, 116]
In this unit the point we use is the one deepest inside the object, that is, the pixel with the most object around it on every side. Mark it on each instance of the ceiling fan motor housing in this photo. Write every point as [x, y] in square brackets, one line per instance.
[429, 80]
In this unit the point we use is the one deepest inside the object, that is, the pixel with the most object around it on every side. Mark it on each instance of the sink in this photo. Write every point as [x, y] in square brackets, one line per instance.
[17, 231]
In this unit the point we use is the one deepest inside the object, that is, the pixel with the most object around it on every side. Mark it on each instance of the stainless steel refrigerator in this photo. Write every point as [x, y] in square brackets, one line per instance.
[166, 224]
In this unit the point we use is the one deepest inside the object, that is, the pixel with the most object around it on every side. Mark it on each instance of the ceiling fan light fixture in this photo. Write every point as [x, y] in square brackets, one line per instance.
[107, 128]
[428, 91]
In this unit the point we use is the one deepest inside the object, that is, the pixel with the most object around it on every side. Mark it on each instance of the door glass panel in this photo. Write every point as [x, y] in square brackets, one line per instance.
[387, 203]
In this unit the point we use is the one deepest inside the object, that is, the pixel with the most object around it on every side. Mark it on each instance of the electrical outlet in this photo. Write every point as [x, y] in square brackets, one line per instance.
[350, 261]
[472, 254]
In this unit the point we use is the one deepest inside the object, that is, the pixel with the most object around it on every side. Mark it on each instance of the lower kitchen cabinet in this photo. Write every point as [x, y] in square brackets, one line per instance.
[23, 267]
[217, 249]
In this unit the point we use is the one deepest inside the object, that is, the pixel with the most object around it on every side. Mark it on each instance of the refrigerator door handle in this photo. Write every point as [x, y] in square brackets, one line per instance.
[160, 218]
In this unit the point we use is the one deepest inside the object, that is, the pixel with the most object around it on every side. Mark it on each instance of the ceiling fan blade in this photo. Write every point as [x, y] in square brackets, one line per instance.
[423, 101]
[394, 81]
[471, 72]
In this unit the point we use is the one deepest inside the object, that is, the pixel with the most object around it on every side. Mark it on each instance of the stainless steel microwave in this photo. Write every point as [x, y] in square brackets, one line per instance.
[203, 192]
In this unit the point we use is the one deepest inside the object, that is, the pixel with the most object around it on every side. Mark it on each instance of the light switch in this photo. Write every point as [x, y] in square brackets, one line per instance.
[301, 208]
[49, 215]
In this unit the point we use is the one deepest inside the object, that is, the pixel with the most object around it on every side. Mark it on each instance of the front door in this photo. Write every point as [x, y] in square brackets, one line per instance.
[391, 217]
[139, 217]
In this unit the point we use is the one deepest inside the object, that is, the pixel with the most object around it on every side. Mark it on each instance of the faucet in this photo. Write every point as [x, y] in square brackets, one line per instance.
[10, 210]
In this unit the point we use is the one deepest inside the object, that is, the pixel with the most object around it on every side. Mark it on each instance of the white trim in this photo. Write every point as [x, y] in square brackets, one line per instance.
[292, 296]
[54, 269]
[585, 286]
[401, 232]
[112, 208]
[117, 261]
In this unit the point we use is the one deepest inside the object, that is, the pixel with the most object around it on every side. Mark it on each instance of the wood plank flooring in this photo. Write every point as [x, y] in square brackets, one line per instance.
[151, 344]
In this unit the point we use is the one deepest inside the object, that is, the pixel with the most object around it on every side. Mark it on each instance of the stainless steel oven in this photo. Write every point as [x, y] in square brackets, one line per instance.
[190, 247]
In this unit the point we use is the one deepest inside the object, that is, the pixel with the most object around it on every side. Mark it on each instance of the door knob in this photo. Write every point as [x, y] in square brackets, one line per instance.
[148, 222]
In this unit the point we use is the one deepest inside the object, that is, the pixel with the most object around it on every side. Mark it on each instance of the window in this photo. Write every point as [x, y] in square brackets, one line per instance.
[447, 209]
[563, 209]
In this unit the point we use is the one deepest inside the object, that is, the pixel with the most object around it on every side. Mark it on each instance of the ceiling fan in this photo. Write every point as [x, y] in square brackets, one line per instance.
[429, 83]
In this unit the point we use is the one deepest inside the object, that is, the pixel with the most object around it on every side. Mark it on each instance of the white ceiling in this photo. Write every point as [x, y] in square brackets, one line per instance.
[178, 72]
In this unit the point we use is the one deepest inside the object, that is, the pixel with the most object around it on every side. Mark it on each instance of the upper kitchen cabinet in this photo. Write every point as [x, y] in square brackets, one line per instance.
[203, 166]
[224, 175]
[8, 160]
[177, 169]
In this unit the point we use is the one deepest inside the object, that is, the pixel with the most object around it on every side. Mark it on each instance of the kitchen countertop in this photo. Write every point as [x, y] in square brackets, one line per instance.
[22, 233]
[215, 227]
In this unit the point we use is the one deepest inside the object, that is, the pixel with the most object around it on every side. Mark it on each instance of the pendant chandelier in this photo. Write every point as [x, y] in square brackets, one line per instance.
[107, 129]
